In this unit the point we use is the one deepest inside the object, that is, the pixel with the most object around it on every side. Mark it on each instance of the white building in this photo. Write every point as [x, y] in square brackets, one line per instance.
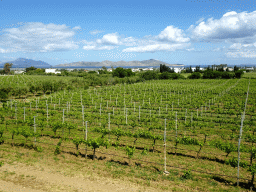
[18, 72]
[52, 71]
[178, 70]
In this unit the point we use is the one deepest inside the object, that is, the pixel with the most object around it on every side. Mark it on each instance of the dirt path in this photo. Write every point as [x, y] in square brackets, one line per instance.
[21, 177]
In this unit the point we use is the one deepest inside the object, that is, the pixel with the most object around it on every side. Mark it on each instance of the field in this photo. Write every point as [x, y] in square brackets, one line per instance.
[131, 133]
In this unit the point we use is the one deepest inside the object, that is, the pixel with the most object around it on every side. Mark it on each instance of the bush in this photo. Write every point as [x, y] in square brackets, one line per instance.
[149, 75]
[38, 149]
[239, 73]
[165, 75]
[57, 149]
[121, 72]
[195, 75]
[227, 75]
[233, 162]
[187, 175]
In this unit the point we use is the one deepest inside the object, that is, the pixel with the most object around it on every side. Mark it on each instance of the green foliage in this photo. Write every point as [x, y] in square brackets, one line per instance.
[57, 148]
[130, 151]
[233, 162]
[164, 68]
[71, 126]
[189, 141]
[26, 132]
[7, 68]
[239, 73]
[39, 149]
[2, 131]
[55, 126]
[145, 151]
[1, 140]
[210, 74]
[77, 141]
[252, 169]
[227, 147]
[187, 175]
[95, 143]
[3, 95]
[121, 72]
[149, 75]
[195, 75]
[30, 69]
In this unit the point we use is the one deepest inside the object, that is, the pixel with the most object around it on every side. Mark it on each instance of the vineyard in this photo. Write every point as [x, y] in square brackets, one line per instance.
[200, 129]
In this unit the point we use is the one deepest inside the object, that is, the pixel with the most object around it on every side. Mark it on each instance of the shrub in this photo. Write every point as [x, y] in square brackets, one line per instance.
[121, 72]
[239, 73]
[187, 175]
[149, 75]
[57, 149]
[195, 75]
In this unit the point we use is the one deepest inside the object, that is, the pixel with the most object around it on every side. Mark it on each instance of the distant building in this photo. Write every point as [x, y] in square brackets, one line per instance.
[52, 71]
[18, 72]
[148, 69]
[135, 70]
[178, 70]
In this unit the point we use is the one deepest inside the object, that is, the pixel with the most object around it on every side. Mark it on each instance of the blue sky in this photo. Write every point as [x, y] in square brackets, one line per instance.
[175, 31]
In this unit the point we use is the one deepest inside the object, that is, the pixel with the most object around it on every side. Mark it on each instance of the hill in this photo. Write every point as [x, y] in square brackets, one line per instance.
[106, 63]
[25, 63]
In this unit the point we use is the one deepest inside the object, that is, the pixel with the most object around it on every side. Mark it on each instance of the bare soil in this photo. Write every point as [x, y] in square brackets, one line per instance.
[22, 177]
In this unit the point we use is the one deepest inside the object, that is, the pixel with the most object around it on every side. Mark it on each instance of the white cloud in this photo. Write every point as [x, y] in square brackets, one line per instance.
[169, 39]
[200, 20]
[129, 41]
[38, 37]
[108, 42]
[95, 32]
[230, 13]
[171, 34]
[109, 39]
[217, 49]
[76, 28]
[89, 47]
[98, 48]
[6, 50]
[239, 50]
[241, 54]
[156, 47]
[192, 49]
[232, 27]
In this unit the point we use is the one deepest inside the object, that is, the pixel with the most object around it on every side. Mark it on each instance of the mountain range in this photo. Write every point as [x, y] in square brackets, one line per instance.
[145, 63]
[25, 63]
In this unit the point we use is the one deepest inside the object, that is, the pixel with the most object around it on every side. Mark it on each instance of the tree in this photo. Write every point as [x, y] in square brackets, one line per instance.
[236, 68]
[7, 68]
[197, 69]
[164, 68]
[149, 75]
[30, 69]
[238, 73]
[121, 72]
[195, 75]
[189, 70]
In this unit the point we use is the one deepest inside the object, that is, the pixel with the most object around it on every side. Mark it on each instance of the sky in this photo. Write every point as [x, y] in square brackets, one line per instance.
[173, 31]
